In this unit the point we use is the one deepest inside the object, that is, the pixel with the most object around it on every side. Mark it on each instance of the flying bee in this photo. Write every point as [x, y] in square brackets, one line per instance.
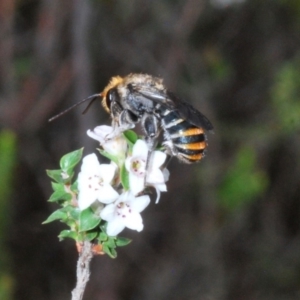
[143, 99]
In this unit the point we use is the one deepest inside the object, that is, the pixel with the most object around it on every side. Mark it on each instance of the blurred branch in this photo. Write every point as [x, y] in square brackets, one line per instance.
[81, 24]
[83, 270]
[7, 14]
[178, 49]
[41, 110]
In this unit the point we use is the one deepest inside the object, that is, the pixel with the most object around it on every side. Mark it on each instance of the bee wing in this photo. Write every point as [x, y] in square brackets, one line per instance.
[153, 94]
[188, 112]
[172, 102]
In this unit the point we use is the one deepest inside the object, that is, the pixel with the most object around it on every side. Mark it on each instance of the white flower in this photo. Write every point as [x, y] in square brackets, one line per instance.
[115, 146]
[136, 166]
[161, 187]
[125, 212]
[94, 182]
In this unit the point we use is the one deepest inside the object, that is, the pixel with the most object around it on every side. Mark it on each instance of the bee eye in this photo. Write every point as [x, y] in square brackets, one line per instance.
[111, 96]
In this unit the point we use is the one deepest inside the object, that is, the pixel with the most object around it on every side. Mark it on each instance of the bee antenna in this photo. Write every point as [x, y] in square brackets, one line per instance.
[92, 98]
[91, 102]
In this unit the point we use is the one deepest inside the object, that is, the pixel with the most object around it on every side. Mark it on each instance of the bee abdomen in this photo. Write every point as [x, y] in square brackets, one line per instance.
[186, 141]
[190, 148]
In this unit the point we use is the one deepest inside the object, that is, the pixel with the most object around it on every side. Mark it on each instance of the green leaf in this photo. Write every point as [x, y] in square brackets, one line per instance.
[103, 236]
[71, 223]
[55, 175]
[74, 187]
[130, 136]
[121, 241]
[59, 193]
[113, 253]
[57, 186]
[74, 212]
[68, 234]
[124, 178]
[59, 214]
[111, 242]
[88, 220]
[110, 252]
[113, 158]
[103, 227]
[91, 235]
[70, 160]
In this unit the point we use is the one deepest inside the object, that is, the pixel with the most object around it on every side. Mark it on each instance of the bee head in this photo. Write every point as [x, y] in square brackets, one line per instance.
[108, 95]
[110, 92]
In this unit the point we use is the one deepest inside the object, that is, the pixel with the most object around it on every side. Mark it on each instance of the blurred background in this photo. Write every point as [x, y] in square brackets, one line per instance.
[228, 228]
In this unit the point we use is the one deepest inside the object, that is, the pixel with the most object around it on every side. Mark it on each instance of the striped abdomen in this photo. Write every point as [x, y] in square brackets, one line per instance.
[183, 139]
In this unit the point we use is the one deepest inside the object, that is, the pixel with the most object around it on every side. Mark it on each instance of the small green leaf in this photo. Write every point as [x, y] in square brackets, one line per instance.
[59, 193]
[91, 235]
[57, 186]
[67, 234]
[103, 236]
[130, 136]
[88, 220]
[59, 214]
[56, 196]
[103, 227]
[121, 241]
[111, 242]
[113, 253]
[124, 178]
[71, 223]
[110, 252]
[70, 160]
[113, 158]
[55, 175]
[74, 212]
[74, 187]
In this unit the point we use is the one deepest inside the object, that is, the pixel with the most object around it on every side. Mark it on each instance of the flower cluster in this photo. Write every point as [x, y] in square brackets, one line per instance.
[100, 182]
[107, 197]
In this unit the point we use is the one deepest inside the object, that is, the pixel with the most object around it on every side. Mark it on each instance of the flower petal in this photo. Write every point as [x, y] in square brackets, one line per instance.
[140, 203]
[114, 227]
[94, 136]
[89, 163]
[157, 195]
[140, 148]
[166, 174]
[134, 221]
[108, 212]
[157, 159]
[161, 187]
[107, 172]
[107, 194]
[136, 184]
[100, 132]
[85, 200]
[155, 176]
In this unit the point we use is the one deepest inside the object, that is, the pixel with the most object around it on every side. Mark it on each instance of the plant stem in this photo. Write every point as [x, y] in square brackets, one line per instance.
[83, 270]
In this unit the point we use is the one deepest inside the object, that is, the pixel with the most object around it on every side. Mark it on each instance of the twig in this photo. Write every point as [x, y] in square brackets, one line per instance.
[83, 270]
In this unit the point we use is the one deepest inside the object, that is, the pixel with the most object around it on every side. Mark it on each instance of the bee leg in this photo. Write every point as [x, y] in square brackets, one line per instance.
[150, 125]
[122, 121]
[169, 147]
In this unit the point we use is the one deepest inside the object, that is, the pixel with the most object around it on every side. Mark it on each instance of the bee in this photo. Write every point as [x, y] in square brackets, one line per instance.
[143, 99]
